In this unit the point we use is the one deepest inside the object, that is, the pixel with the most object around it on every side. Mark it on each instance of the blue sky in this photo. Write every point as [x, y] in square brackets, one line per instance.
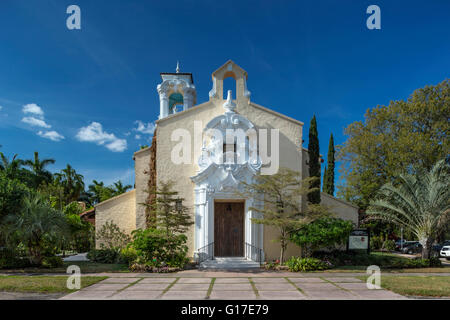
[302, 57]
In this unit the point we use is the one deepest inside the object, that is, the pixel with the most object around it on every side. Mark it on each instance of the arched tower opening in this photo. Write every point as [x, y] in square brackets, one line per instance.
[176, 89]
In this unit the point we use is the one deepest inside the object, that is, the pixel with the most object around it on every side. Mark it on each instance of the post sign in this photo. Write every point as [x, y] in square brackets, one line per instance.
[359, 240]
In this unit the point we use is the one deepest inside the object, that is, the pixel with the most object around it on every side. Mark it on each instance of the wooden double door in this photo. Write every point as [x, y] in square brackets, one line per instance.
[229, 229]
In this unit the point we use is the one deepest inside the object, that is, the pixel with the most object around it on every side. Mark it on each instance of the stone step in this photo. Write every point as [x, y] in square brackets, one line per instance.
[229, 263]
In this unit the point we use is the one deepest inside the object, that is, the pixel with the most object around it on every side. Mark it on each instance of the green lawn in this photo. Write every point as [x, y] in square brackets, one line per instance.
[86, 267]
[432, 286]
[42, 284]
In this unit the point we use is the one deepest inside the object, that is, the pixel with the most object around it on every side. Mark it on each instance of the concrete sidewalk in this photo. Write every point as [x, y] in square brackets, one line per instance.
[228, 287]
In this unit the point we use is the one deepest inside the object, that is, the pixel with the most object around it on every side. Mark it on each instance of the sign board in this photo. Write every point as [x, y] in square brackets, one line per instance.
[359, 240]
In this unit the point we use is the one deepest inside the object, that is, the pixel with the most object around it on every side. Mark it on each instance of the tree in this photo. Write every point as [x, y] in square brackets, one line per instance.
[39, 173]
[12, 193]
[99, 192]
[395, 139]
[314, 162]
[322, 233]
[328, 177]
[38, 226]
[283, 209]
[418, 202]
[119, 188]
[168, 209]
[72, 183]
[12, 169]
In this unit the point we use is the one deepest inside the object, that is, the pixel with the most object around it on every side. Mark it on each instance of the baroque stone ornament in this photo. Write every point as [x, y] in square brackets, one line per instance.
[224, 170]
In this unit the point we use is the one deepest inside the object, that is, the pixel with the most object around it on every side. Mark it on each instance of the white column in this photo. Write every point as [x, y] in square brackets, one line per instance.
[163, 104]
[188, 98]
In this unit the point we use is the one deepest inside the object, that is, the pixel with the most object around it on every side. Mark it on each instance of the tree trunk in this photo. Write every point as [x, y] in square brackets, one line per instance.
[426, 247]
[282, 252]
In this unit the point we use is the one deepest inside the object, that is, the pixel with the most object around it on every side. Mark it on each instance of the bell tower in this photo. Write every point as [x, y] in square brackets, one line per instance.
[230, 69]
[176, 91]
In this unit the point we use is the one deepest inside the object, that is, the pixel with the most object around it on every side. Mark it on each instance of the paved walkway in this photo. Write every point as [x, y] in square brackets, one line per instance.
[230, 286]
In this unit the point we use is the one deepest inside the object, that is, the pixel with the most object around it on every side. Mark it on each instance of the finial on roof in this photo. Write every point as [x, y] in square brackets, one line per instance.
[178, 67]
[229, 106]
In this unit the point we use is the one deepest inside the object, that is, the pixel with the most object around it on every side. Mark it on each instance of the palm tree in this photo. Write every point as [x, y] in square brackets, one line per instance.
[12, 168]
[35, 222]
[96, 191]
[119, 188]
[72, 183]
[419, 203]
[38, 169]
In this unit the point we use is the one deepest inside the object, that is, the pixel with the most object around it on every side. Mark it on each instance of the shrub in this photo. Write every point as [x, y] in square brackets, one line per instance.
[156, 248]
[104, 255]
[129, 254]
[322, 233]
[297, 264]
[376, 242]
[52, 262]
[112, 237]
[140, 267]
[389, 245]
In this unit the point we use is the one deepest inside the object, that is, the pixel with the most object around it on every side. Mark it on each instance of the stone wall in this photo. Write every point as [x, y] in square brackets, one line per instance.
[120, 210]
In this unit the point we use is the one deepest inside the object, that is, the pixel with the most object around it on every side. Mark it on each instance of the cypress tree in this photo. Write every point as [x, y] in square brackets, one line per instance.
[314, 162]
[325, 180]
[328, 179]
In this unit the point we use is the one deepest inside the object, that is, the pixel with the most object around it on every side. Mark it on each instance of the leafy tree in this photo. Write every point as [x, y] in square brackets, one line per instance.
[54, 192]
[395, 139]
[81, 234]
[418, 202]
[283, 208]
[328, 177]
[314, 162]
[322, 233]
[38, 171]
[12, 192]
[72, 183]
[38, 226]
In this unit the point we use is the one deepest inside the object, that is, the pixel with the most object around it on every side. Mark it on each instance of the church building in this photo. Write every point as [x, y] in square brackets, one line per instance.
[209, 181]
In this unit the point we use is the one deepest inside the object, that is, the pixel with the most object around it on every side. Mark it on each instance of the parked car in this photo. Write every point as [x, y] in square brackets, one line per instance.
[439, 246]
[398, 244]
[445, 252]
[412, 247]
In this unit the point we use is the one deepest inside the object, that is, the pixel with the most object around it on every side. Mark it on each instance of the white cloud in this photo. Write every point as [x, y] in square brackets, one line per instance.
[33, 109]
[52, 135]
[117, 145]
[138, 136]
[94, 133]
[148, 128]
[1, 108]
[32, 121]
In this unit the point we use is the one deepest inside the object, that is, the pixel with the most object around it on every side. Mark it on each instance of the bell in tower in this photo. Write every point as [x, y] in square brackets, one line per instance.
[176, 91]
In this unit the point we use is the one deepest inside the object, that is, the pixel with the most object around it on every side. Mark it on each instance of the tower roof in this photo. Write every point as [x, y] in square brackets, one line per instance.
[183, 75]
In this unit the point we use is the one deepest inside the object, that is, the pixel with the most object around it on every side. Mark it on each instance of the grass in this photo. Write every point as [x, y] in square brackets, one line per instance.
[362, 269]
[211, 285]
[42, 284]
[85, 267]
[431, 286]
[384, 260]
[252, 283]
